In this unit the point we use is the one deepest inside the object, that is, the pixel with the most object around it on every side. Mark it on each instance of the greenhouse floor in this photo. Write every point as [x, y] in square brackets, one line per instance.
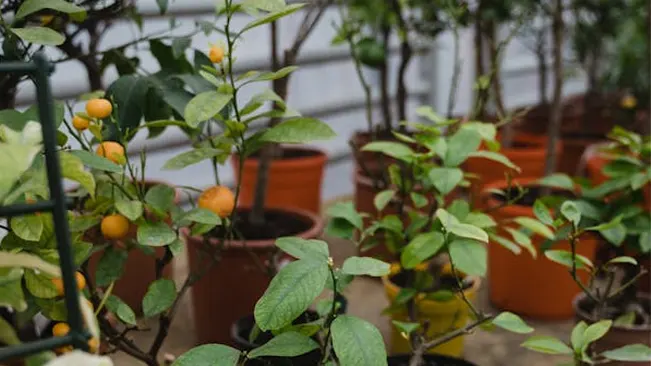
[367, 300]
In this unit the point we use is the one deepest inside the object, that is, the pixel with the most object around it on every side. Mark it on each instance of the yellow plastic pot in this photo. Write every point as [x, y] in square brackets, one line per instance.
[442, 318]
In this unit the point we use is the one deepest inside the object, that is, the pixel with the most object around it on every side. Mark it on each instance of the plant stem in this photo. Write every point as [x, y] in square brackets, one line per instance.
[553, 130]
[406, 54]
[384, 82]
[330, 318]
[456, 71]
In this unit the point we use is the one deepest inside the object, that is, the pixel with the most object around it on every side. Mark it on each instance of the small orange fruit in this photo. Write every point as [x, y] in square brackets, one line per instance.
[216, 54]
[111, 150]
[99, 108]
[58, 283]
[93, 345]
[115, 227]
[81, 281]
[218, 199]
[60, 329]
[80, 123]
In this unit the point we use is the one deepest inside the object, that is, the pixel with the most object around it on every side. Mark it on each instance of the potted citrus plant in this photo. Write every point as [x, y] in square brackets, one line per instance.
[221, 121]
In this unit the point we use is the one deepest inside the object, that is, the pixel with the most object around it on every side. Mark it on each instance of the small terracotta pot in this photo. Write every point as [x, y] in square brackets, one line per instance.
[294, 180]
[538, 287]
[617, 336]
[230, 289]
[139, 268]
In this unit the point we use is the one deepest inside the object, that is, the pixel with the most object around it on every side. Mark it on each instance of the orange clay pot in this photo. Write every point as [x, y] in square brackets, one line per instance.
[294, 180]
[538, 288]
[528, 151]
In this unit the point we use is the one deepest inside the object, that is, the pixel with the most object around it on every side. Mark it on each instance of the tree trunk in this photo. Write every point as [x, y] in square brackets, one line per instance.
[479, 110]
[93, 71]
[541, 53]
[553, 130]
[385, 99]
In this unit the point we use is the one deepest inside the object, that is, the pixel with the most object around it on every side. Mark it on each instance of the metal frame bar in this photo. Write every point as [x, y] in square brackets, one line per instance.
[40, 68]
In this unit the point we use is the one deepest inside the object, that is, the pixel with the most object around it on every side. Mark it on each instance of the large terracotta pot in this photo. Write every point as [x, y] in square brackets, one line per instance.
[535, 287]
[230, 289]
[617, 336]
[139, 268]
[294, 179]
[528, 152]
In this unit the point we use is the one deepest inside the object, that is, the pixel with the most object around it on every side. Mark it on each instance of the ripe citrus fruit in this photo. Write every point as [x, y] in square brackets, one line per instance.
[81, 281]
[216, 54]
[60, 329]
[218, 199]
[80, 123]
[58, 283]
[111, 150]
[99, 108]
[115, 227]
[93, 345]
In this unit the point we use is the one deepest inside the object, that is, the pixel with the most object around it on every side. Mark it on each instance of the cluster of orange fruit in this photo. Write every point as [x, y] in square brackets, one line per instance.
[61, 329]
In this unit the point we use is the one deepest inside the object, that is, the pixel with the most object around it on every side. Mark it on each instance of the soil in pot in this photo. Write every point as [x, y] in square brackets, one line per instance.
[535, 287]
[618, 335]
[242, 329]
[429, 360]
[295, 178]
[442, 316]
[230, 289]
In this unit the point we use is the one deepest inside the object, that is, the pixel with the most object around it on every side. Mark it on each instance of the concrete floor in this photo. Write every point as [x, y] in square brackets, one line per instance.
[367, 300]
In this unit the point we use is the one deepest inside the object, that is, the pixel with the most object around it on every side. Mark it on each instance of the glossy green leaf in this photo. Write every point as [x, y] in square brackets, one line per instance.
[577, 339]
[346, 211]
[480, 220]
[290, 292]
[469, 232]
[365, 266]
[39, 35]
[191, 157]
[202, 216]
[542, 213]
[631, 352]
[535, 226]
[270, 17]
[512, 323]
[160, 197]
[129, 92]
[209, 355]
[645, 242]
[159, 297]
[8, 335]
[421, 248]
[155, 234]
[596, 331]
[405, 327]
[623, 259]
[469, 256]
[546, 344]
[357, 342]
[614, 234]
[571, 212]
[27, 227]
[447, 220]
[418, 199]
[40, 285]
[495, 157]
[460, 146]
[118, 307]
[110, 266]
[558, 180]
[396, 150]
[268, 76]
[565, 258]
[205, 106]
[11, 289]
[73, 168]
[32, 6]
[97, 162]
[445, 180]
[288, 344]
[297, 131]
[523, 240]
[383, 198]
[304, 248]
[132, 210]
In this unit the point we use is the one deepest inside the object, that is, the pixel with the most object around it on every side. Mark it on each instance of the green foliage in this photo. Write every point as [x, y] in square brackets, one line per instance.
[357, 342]
[159, 297]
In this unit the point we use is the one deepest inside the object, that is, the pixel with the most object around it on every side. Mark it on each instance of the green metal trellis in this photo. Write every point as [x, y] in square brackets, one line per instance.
[39, 68]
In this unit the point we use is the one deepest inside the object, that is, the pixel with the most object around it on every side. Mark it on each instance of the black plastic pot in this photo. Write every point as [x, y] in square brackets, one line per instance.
[430, 360]
[241, 330]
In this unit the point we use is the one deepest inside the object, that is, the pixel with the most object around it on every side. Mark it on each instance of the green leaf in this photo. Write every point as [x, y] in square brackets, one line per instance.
[535, 226]
[469, 256]
[418, 199]
[623, 259]
[304, 248]
[626, 319]
[155, 234]
[469, 232]
[159, 297]
[27, 227]
[39, 35]
[268, 18]
[565, 258]
[571, 212]
[179, 45]
[393, 149]
[160, 197]
[367, 266]
[557, 181]
[445, 180]
[346, 211]
[32, 6]
[357, 342]
[506, 243]
[191, 157]
[615, 234]
[72, 168]
[512, 323]
[110, 266]
[422, 247]
[523, 240]
[542, 213]
[383, 198]
[132, 210]
[8, 335]
[205, 106]
[480, 220]
[11, 289]
[297, 131]
[645, 242]
[290, 292]
[268, 76]
[446, 219]
[577, 340]
[460, 146]
[97, 162]
[631, 352]
[288, 344]
[596, 331]
[40, 285]
[404, 327]
[546, 344]
[202, 216]
[118, 307]
[129, 92]
[495, 157]
[209, 355]
[404, 295]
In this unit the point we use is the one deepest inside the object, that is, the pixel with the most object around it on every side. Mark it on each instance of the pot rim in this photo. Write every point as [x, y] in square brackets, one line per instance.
[582, 315]
[320, 156]
[315, 230]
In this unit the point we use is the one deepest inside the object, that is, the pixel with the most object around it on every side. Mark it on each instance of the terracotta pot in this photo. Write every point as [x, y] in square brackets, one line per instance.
[528, 152]
[538, 287]
[139, 268]
[294, 180]
[230, 289]
[617, 336]
[370, 162]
